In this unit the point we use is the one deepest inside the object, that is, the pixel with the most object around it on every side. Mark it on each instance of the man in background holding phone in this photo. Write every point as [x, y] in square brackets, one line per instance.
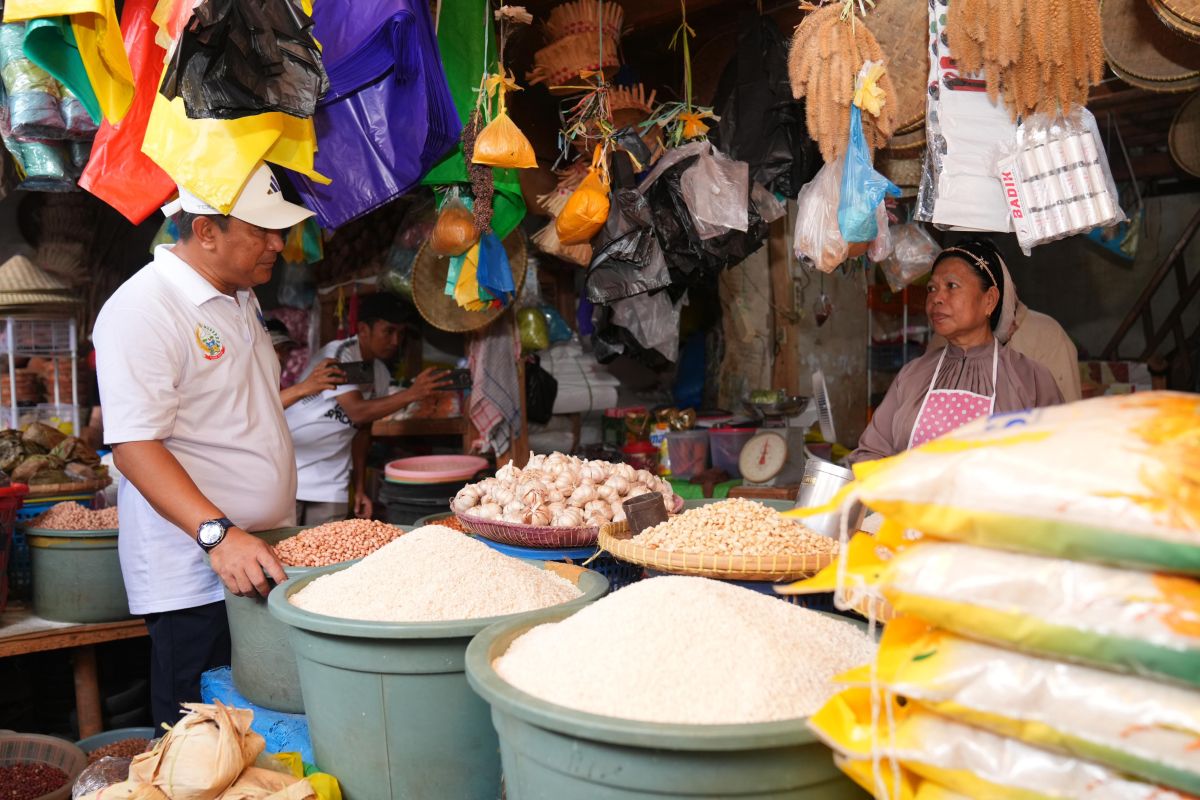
[332, 430]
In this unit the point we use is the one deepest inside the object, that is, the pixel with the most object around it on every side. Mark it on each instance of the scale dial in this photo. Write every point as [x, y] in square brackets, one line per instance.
[763, 457]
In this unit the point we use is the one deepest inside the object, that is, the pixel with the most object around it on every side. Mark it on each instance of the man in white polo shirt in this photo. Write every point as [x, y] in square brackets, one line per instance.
[189, 383]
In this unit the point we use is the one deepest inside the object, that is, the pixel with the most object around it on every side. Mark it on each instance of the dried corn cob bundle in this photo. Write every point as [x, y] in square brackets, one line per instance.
[580, 17]
[1038, 55]
[826, 56]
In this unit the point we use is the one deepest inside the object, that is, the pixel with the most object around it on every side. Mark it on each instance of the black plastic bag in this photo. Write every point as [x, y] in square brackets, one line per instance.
[626, 257]
[690, 258]
[761, 123]
[541, 390]
[235, 59]
[644, 327]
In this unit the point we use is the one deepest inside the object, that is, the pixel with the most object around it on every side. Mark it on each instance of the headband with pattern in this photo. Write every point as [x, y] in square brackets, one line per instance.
[979, 262]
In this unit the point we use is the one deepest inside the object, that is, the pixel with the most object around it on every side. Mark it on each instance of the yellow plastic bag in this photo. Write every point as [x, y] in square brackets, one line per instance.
[326, 786]
[213, 158]
[957, 757]
[587, 208]
[101, 48]
[1135, 726]
[1115, 480]
[466, 291]
[1136, 622]
[501, 143]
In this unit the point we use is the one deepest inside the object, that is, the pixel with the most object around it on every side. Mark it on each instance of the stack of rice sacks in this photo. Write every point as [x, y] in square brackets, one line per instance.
[1044, 573]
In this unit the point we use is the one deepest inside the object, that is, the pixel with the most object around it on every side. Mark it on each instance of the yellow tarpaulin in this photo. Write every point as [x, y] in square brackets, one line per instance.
[98, 34]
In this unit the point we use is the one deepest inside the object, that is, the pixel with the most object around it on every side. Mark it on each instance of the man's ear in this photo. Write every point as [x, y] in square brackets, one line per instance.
[205, 232]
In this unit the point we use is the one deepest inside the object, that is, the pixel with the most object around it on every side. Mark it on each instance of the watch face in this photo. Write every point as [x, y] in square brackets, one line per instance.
[210, 533]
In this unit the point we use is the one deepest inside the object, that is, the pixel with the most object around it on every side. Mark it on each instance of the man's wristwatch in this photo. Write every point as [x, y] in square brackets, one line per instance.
[212, 533]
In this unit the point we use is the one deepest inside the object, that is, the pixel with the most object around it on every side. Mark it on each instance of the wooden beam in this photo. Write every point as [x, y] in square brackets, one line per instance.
[785, 369]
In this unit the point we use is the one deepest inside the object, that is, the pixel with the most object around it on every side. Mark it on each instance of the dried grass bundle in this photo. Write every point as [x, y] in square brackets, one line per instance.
[826, 55]
[1038, 55]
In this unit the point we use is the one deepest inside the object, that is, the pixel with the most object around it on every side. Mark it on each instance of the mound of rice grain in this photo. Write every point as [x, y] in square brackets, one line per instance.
[434, 574]
[687, 650]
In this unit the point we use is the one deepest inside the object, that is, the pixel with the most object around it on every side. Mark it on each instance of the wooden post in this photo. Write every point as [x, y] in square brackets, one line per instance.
[787, 367]
[87, 691]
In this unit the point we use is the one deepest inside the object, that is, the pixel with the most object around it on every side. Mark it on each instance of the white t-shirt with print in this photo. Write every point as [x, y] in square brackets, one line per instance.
[322, 432]
[181, 363]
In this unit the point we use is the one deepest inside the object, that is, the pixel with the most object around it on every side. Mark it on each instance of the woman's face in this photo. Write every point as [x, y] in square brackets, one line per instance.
[957, 305]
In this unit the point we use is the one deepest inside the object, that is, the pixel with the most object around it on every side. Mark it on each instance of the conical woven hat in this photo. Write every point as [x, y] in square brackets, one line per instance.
[1186, 10]
[439, 309]
[1181, 25]
[1139, 44]
[19, 274]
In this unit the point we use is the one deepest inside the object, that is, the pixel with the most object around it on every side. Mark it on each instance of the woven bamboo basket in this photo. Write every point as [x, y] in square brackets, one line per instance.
[733, 568]
[580, 18]
[70, 488]
[545, 535]
[907, 145]
[902, 29]
[1162, 87]
[548, 242]
[439, 309]
[1180, 24]
[559, 63]
[1184, 136]
[1139, 45]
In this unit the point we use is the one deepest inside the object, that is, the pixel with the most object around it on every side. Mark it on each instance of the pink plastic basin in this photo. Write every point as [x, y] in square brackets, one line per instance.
[434, 469]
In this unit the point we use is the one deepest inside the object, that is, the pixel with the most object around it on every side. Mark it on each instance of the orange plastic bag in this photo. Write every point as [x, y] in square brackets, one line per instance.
[454, 233]
[587, 208]
[501, 143]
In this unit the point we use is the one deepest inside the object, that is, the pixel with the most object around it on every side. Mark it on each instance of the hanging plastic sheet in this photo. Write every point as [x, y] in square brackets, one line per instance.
[761, 123]
[98, 41]
[863, 189]
[626, 257]
[717, 192]
[690, 258]
[239, 59]
[41, 166]
[644, 327]
[388, 116]
[50, 43]
[466, 55]
[119, 173]
[79, 123]
[33, 94]
[495, 273]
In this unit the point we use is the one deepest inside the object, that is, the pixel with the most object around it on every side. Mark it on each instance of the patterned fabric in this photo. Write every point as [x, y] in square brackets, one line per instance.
[296, 320]
[495, 404]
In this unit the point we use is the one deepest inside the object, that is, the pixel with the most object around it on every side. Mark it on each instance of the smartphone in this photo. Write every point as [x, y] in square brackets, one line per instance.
[358, 373]
[459, 380]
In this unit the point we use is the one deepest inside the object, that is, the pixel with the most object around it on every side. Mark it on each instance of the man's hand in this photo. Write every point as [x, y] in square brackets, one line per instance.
[430, 381]
[324, 376]
[244, 562]
[363, 507]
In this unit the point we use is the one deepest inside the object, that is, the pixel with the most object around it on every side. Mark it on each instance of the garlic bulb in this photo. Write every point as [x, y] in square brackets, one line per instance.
[565, 482]
[568, 518]
[555, 496]
[488, 511]
[515, 519]
[637, 490]
[597, 520]
[508, 473]
[540, 516]
[606, 492]
[595, 472]
[503, 495]
[618, 513]
[531, 492]
[619, 484]
[583, 494]
[625, 471]
[555, 508]
[514, 507]
[467, 498]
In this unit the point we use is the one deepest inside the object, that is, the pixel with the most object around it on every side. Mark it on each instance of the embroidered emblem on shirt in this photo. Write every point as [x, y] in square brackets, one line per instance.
[210, 342]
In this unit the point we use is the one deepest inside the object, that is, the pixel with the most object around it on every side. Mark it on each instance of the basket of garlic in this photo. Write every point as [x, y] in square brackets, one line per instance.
[555, 501]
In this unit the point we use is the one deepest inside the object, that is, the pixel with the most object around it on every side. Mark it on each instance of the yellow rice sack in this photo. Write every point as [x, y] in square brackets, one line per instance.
[1113, 480]
[1139, 727]
[960, 758]
[1138, 622]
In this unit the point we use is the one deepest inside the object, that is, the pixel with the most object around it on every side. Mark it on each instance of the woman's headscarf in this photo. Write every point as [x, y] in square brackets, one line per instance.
[985, 260]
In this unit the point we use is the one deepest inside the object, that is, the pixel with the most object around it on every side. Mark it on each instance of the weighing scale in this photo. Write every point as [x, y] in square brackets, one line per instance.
[776, 456]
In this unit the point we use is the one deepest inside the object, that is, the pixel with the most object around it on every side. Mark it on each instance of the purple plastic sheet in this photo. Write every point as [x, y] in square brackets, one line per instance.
[388, 116]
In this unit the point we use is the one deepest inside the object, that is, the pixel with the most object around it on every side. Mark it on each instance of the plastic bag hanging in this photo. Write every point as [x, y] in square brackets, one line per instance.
[501, 143]
[494, 273]
[587, 207]
[454, 232]
[238, 59]
[817, 239]
[863, 189]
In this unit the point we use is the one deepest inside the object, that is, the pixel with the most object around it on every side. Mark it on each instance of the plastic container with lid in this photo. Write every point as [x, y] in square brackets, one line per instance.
[726, 446]
[688, 452]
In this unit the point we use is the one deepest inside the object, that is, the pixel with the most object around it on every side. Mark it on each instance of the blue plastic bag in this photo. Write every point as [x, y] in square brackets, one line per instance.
[863, 188]
[494, 274]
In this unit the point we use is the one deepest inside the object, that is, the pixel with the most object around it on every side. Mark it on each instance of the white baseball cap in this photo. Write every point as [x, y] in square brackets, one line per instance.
[260, 203]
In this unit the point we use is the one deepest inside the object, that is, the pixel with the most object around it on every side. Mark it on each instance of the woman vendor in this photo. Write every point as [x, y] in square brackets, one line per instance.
[970, 297]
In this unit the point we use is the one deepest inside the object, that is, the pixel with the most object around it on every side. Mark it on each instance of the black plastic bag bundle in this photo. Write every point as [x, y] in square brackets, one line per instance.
[626, 257]
[761, 123]
[541, 390]
[235, 59]
[690, 258]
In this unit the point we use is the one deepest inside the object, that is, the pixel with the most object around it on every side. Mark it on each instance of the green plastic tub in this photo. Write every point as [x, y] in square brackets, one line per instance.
[77, 576]
[389, 709]
[551, 752]
[264, 669]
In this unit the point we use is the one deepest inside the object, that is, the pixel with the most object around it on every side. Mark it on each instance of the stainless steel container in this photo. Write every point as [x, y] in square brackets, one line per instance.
[821, 483]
